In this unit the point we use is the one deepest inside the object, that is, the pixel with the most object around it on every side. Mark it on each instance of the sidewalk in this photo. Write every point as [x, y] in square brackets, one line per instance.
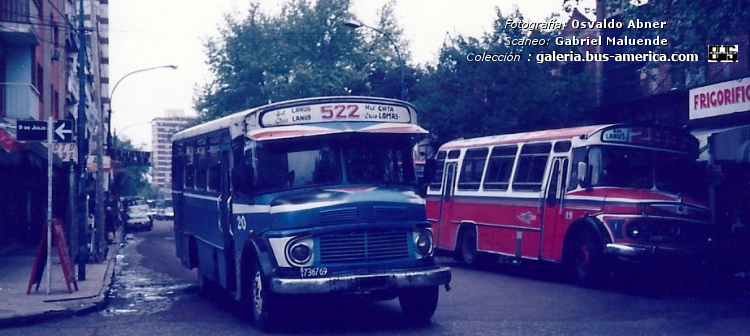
[18, 308]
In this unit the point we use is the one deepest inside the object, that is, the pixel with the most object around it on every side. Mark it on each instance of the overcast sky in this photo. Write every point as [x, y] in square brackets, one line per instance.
[149, 33]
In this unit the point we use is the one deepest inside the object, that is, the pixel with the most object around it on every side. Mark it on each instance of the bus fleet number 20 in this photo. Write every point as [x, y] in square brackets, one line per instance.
[241, 223]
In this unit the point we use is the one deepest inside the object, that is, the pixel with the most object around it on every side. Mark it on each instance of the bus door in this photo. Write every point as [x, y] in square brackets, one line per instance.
[553, 214]
[225, 220]
[446, 235]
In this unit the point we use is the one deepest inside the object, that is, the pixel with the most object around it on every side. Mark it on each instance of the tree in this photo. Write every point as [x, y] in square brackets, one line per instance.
[302, 52]
[132, 181]
[463, 98]
[690, 28]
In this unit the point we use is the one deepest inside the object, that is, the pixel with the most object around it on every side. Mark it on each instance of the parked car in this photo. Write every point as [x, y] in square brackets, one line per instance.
[165, 213]
[138, 219]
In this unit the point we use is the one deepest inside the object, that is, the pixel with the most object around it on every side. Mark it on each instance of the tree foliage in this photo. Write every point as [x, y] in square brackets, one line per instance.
[304, 51]
[691, 27]
[133, 180]
[462, 98]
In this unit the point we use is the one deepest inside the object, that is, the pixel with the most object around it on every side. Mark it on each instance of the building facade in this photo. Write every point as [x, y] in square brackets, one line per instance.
[39, 64]
[162, 130]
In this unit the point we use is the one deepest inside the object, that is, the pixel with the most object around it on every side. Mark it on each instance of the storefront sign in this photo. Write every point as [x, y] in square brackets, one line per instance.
[720, 99]
[91, 165]
[66, 151]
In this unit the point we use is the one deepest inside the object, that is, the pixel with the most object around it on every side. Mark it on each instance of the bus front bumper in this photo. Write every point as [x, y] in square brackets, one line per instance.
[658, 255]
[363, 282]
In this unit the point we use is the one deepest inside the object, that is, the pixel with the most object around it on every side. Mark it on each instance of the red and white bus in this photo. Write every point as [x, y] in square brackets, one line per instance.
[576, 196]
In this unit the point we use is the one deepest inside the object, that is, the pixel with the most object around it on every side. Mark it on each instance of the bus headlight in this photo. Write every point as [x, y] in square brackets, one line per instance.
[638, 230]
[423, 242]
[300, 252]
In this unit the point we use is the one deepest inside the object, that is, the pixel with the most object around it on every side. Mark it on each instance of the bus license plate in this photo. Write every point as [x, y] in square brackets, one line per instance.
[312, 272]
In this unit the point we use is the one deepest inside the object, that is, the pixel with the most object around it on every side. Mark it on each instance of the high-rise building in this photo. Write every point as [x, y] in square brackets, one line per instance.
[162, 130]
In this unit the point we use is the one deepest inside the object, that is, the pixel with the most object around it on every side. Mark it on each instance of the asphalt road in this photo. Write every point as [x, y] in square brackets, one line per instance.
[154, 295]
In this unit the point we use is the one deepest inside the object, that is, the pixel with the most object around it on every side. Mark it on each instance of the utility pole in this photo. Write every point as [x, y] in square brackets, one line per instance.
[82, 148]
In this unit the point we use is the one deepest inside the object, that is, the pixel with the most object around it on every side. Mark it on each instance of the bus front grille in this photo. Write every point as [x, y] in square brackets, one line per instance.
[339, 215]
[389, 214]
[364, 246]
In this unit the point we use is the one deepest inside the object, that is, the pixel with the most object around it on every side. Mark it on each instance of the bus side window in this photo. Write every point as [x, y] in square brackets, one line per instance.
[472, 169]
[579, 156]
[553, 185]
[178, 161]
[500, 167]
[242, 168]
[201, 169]
[437, 177]
[189, 163]
[214, 169]
[531, 166]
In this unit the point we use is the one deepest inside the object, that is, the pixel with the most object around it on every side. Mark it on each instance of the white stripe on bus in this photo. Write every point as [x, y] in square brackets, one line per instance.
[238, 208]
[298, 207]
[208, 198]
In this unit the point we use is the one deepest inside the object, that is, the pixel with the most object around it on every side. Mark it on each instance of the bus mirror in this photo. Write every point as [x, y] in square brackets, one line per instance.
[582, 169]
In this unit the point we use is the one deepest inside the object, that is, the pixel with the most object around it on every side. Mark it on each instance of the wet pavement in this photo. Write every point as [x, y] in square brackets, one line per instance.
[140, 290]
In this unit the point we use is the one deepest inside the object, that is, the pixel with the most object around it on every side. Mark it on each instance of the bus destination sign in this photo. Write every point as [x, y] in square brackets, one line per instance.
[649, 137]
[335, 112]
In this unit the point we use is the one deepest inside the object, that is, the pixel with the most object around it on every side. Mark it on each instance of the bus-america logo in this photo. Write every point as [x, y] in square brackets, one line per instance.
[527, 217]
[723, 53]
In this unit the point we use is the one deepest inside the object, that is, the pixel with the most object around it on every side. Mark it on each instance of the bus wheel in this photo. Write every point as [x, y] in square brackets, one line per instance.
[467, 250]
[587, 258]
[262, 301]
[419, 303]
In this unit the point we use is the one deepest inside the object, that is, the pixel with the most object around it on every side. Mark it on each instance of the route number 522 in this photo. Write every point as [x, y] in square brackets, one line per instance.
[339, 111]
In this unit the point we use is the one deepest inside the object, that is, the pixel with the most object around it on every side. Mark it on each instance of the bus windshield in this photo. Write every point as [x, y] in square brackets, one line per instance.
[627, 167]
[334, 160]
[379, 161]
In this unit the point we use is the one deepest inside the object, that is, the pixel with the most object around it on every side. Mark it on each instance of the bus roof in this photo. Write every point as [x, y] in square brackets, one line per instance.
[301, 117]
[561, 133]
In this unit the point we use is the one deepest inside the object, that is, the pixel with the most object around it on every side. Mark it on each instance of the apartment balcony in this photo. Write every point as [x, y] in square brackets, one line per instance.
[17, 17]
[19, 101]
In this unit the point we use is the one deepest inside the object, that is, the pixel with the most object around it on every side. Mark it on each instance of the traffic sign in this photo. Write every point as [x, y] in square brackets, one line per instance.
[64, 130]
[36, 130]
[32, 130]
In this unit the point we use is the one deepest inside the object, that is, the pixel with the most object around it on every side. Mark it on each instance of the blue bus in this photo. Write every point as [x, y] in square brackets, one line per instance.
[308, 196]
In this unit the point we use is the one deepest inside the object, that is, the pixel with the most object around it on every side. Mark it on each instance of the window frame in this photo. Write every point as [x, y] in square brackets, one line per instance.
[531, 167]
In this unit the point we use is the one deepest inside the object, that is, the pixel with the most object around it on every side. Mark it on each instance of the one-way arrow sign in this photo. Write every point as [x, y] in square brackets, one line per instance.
[36, 130]
[64, 130]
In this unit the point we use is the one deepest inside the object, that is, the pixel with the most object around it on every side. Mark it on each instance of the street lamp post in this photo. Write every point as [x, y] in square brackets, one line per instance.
[354, 24]
[114, 88]
[125, 128]
[100, 215]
